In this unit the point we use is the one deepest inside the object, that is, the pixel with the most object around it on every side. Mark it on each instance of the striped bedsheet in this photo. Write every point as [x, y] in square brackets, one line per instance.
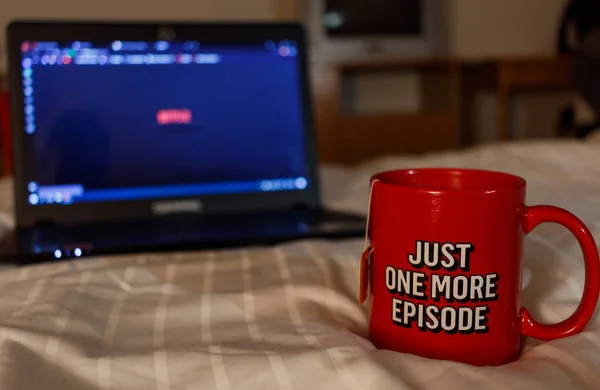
[286, 317]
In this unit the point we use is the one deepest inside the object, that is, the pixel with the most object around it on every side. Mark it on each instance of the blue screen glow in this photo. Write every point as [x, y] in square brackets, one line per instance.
[144, 120]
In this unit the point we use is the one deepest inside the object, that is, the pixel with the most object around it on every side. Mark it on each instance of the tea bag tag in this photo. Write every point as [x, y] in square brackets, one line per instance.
[363, 283]
[365, 258]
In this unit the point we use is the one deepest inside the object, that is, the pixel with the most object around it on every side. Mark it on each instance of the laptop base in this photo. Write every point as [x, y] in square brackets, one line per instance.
[174, 233]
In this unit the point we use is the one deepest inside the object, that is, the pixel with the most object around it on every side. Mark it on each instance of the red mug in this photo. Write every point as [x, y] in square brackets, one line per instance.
[445, 262]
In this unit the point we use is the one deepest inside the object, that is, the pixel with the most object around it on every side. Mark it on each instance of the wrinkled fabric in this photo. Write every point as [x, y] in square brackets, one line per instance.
[286, 316]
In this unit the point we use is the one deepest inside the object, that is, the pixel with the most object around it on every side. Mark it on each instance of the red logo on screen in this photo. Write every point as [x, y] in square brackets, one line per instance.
[174, 117]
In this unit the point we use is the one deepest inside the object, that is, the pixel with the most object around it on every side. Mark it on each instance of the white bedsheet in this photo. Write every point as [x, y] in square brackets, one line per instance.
[286, 317]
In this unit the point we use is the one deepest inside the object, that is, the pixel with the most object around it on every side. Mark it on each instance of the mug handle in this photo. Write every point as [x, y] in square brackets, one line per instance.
[591, 290]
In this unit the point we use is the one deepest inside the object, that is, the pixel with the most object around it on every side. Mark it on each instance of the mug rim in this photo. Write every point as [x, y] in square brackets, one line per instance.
[518, 183]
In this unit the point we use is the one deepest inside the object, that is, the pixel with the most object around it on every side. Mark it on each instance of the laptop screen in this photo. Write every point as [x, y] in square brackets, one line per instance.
[128, 120]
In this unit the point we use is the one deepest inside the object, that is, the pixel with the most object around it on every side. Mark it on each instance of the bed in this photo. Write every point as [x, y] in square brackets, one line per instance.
[286, 317]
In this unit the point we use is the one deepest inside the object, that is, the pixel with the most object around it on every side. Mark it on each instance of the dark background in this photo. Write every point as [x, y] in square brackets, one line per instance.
[377, 17]
[96, 125]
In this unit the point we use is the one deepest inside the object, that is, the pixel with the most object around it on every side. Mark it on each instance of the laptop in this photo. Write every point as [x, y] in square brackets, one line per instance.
[146, 137]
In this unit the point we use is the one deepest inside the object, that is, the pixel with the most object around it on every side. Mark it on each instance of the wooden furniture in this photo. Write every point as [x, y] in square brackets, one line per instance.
[287, 9]
[349, 138]
[445, 121]
[508, 77]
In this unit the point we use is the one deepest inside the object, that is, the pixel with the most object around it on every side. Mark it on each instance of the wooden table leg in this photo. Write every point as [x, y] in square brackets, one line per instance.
[504, 132]
[504, 84]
